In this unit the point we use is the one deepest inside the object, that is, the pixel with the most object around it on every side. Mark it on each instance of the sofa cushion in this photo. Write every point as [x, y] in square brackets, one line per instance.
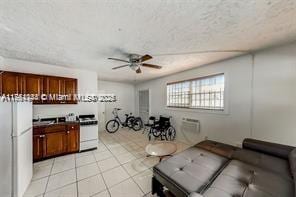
[274, 149]
[292, 161]
[267, 162]
[191, 169]
[242, 179]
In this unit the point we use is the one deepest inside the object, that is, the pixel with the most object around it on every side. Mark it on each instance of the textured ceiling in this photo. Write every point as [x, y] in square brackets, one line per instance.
[84, 33]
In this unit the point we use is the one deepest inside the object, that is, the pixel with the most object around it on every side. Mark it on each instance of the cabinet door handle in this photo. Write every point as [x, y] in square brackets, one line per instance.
[68, 132]
[41, 136]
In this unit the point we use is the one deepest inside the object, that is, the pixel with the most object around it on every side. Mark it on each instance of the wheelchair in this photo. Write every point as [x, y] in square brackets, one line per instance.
[162, 128]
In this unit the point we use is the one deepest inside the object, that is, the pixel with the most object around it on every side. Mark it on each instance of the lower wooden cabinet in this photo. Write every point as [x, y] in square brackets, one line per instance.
[38, 147]
[55, 144]
[50, 141]
[72, 141]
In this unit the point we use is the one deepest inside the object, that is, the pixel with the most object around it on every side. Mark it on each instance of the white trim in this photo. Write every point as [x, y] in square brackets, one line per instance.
[149, 108]
[226, 110]
[206, 111]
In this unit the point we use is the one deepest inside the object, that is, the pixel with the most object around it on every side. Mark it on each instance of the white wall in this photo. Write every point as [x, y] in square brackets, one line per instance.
[275, 95]
[87, 84]
[125, 94]
[217, 126]
[260, 98]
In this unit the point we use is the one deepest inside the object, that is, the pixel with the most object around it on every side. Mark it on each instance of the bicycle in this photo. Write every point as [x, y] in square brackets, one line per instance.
[130, 121]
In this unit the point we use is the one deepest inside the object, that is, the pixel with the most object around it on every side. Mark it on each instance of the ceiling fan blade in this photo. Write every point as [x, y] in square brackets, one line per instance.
[151, 66]
[120, 66]
[145, 57]
[116, 59]
[138, 70]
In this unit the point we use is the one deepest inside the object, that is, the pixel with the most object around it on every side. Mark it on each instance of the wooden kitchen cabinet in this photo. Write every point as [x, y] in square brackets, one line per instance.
[73, 138]
[53, 86]
[61, 86]
[33, 84]
[11, 83]
[38, 147]
[24, 83]
[70, 90]
[55, 144]
[55, 140]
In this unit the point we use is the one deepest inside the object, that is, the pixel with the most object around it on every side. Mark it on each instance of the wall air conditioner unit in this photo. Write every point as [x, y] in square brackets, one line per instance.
[190, 129]
[190, 125]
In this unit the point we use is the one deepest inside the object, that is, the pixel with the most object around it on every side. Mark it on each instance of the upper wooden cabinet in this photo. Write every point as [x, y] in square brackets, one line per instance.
[33, 84]
[21, 83]
[70, 90]
[11, 83]
[61, 86]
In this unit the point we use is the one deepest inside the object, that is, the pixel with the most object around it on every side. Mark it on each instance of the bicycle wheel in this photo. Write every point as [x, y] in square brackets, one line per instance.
[112, 126]
[170, 133]
[137, 124]
[129, 122]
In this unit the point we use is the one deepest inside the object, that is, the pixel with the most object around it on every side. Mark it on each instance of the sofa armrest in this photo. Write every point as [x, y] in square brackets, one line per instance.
[278, 150]
[218, 148]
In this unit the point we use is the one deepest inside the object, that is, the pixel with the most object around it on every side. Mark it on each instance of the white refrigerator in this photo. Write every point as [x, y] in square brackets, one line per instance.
[16, 156]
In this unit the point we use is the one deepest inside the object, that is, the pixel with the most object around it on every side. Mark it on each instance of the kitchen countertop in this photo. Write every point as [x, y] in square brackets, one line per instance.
[52, 121]
[44, 124]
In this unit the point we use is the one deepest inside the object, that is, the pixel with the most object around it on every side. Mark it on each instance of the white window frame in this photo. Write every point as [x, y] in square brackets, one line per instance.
[201, 109]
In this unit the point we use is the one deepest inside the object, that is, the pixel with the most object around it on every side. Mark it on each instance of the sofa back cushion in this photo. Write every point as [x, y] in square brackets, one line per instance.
[292, 161]
[274, 149]
[264, 161]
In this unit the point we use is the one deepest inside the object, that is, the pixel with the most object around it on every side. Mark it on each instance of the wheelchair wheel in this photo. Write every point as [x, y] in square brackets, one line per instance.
[156, 132]
[170, 134]
[112, 126]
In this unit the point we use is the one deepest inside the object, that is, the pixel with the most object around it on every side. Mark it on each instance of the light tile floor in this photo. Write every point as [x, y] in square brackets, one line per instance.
[118, 168]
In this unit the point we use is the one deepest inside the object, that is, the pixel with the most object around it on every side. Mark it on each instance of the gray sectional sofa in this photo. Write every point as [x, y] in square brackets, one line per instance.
[212, 169]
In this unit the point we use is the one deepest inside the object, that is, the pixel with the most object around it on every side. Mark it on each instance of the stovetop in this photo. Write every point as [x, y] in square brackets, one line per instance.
[88, 119]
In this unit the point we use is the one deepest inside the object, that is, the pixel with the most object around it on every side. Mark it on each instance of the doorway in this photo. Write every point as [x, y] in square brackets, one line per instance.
[144, 111]
[101, 114]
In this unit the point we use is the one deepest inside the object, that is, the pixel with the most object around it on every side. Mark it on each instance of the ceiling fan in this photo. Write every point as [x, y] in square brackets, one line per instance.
[135, 62]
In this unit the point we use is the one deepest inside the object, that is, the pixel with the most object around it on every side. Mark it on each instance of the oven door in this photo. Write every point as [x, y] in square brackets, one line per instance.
[88, 132]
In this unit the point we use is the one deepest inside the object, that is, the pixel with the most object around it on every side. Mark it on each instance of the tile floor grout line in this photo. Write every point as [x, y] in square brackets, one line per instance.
[76, 183]
[138, 185]
[48, 177]
[117, 145]
[103, 180]
[117, 167]
[130, 177]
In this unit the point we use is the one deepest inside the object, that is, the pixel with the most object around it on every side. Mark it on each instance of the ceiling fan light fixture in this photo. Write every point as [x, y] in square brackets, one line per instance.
[134, 66]
[135, 62]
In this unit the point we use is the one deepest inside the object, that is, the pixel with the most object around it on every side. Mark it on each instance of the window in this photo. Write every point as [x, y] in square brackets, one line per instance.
[200, 93]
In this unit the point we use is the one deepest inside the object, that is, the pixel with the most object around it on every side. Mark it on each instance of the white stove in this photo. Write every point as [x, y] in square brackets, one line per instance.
[88, 132]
